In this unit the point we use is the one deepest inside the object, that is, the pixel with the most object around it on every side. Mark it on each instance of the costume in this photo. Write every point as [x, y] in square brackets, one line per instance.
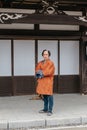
[45, 82]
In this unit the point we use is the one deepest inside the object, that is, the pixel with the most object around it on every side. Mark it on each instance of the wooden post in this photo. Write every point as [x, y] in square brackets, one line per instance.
[83, 69]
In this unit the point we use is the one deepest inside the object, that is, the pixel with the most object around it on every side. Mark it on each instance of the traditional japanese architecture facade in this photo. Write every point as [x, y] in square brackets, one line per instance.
[29, 26]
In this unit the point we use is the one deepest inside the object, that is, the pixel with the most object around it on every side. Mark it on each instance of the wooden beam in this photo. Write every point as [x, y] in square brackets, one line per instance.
[40, 19]
[40, 37]
[50, 19]
[39, 32]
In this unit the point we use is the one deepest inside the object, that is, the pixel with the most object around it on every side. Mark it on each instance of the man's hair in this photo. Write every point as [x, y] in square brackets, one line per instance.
[47, 51]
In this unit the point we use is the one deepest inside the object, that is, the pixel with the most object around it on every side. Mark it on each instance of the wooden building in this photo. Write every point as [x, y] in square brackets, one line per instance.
[29, 26]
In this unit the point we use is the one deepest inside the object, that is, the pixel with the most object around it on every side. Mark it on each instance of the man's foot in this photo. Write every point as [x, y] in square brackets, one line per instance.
[43, 111]
[49, 113]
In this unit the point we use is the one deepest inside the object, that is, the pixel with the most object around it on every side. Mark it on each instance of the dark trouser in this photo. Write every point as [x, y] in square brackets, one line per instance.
[48, 102]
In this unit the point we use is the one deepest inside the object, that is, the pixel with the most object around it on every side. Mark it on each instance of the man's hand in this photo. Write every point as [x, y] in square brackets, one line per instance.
[39, 74]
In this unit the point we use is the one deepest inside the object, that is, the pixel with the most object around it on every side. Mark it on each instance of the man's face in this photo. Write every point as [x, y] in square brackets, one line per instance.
[46, 55]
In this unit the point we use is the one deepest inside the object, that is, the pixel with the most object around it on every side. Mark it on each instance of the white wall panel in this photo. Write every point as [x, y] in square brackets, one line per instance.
[69, 57]
[58, 27]
[24, 57]
[51, 45]
[74, 13]
[17, 26]
[5, 58]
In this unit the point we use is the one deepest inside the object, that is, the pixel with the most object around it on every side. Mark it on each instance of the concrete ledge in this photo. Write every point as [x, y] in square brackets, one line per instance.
[81, 127]
[84, 120]
[47, 123]
[63, 122]
[3, 125]
[26, 124]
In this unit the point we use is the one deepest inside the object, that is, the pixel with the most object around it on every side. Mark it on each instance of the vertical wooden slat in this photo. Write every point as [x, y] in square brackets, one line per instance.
[36, 28]
[58, 65]
[80, 63]
[12, 64]
[36, 52]
[12, 58]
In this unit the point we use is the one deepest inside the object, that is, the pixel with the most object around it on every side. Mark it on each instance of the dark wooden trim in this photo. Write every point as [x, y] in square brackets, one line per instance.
[39, 33]
[12, 61]
[48, 19]
[58, 65]
[36, 4]
[36, 27]
[84, 68]
[36, 52]
[55, 85]
[20, 37]
[5, 86]
[80, 63]
[58, 57]
[45, 19]
[12, 57]
[27, 85]
[69, 84]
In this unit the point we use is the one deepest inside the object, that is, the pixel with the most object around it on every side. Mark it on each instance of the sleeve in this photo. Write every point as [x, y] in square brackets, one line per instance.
[38, 67]
[49, 70]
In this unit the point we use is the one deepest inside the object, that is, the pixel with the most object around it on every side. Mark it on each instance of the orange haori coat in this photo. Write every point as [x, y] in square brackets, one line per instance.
[45, 84]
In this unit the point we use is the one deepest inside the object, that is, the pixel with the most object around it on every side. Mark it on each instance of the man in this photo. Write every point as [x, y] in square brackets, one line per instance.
[45, 73]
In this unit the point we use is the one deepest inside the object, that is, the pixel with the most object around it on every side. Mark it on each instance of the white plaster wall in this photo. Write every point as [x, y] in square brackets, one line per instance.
[5, 58]
[69, 57]
[24, 57]
[59, 27]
